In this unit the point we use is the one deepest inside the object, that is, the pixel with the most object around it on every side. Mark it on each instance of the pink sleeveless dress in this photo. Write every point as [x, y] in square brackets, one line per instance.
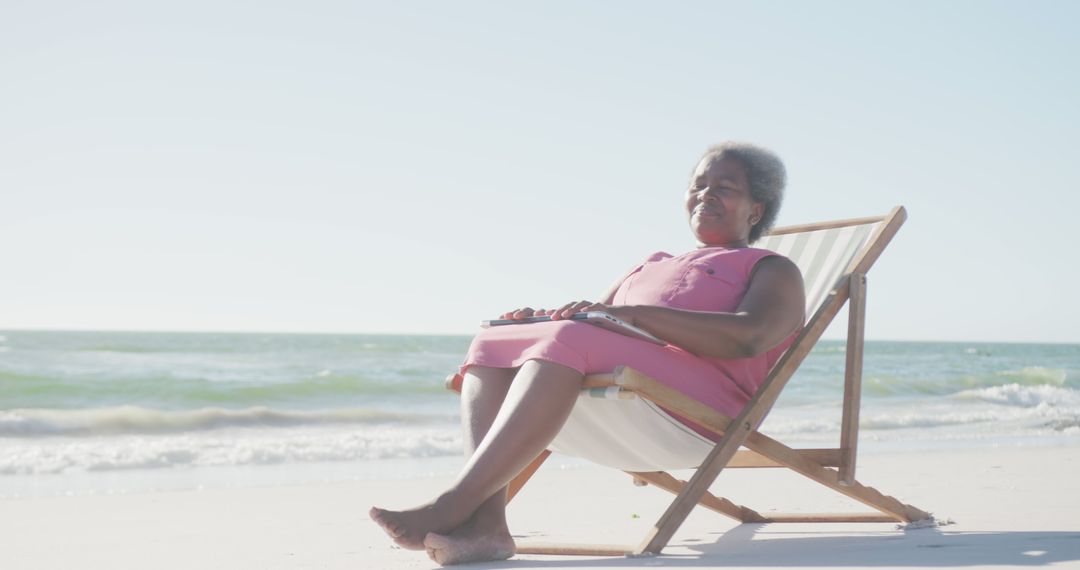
[705, 279]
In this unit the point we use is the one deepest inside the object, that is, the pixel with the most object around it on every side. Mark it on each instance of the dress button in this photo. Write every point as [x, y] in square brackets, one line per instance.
[709, 271]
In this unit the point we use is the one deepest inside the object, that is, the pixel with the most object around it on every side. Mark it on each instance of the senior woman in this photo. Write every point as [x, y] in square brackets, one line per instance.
[726, 310]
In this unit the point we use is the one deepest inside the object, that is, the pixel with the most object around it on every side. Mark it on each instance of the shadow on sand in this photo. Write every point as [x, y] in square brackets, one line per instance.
[757, 545]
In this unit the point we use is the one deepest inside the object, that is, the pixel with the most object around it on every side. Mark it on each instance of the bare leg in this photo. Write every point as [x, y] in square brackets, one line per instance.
[536, 406]
[485, 535]
[482, 394]
[483, 390]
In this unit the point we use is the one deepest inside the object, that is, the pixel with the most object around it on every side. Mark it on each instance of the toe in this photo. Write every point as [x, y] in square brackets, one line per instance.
[436, 555]
[379, 515]
[388, 524]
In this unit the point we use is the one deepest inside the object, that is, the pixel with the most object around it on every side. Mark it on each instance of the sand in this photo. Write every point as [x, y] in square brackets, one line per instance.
[1010, 507]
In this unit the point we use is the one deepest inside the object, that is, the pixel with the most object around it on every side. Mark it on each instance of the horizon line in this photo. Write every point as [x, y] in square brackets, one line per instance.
[464, 334]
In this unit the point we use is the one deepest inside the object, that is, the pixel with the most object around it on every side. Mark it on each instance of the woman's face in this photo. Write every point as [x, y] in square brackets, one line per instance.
[719, 204]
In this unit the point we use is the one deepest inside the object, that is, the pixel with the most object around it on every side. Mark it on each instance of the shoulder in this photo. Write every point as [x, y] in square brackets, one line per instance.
[778, 274]
[776, 288]
[777, 265]
[757, 257]
[758, 253]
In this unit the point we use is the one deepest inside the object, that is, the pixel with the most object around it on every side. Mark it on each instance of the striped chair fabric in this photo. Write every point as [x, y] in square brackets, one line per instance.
[823, 256]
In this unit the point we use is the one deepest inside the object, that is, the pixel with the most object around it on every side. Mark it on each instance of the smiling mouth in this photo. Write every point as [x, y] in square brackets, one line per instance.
[702, 211]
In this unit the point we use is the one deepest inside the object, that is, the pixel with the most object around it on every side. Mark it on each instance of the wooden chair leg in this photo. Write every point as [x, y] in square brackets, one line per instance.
[849, 432]
[693, 492]
[721, 505]
[830, 478]
[519, 481]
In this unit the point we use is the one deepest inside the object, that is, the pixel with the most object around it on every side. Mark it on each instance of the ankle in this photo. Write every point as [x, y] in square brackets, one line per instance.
[490, 521]
[450, 508]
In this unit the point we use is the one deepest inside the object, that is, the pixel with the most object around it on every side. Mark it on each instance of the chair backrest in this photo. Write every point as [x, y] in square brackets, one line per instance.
[823, 254]
[861, 241]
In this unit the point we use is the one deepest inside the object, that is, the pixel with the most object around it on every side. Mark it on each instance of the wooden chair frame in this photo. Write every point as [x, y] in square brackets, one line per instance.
[831, 467]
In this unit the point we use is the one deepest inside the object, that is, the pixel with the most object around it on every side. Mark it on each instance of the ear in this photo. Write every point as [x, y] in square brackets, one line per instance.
[757, 210]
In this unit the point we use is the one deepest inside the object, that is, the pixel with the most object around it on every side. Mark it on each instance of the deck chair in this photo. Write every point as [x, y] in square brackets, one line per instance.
[620, 418]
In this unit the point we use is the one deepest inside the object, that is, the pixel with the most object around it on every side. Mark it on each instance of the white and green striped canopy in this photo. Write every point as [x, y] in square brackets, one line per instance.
[823, 256]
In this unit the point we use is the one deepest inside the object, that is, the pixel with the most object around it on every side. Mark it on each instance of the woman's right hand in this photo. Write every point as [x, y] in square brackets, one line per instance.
[563, 312]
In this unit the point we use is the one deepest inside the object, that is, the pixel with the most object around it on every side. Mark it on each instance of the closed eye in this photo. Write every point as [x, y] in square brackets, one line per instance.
[724, 189]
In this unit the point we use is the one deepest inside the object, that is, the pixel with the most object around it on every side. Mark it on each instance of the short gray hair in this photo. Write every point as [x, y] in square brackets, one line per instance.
[765, 173]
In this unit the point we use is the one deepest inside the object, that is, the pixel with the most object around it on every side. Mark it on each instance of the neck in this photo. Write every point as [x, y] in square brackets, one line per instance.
[728, 245]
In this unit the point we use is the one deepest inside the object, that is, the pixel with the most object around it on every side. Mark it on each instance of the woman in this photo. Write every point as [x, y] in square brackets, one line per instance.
[727, 311]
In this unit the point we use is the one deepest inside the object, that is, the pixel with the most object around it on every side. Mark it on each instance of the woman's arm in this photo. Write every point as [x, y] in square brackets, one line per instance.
[772, 308]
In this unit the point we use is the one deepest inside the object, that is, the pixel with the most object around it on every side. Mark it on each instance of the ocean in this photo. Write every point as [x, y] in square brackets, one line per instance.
[104, 412]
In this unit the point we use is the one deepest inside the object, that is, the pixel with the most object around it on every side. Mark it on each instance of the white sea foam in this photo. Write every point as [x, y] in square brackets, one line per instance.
[138, 420]
[233, 448]
[780, 423]
[928, 419]
[1025, 396]
[997, 411]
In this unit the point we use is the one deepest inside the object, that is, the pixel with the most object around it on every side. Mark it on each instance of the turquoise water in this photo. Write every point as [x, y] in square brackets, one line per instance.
[79, 402]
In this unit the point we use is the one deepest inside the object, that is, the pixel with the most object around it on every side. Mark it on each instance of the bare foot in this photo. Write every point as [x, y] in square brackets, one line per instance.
[470, 543]
[408, 528]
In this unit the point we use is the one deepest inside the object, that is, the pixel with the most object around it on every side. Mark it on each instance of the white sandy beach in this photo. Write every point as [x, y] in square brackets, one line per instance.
[1010, 507]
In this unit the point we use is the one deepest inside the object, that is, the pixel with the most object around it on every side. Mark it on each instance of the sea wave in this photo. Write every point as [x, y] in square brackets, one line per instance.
[139, 420]
[914, 419]
[29, 390]
[210, 344]
[1025, 396]
[1002, 410]
[1035, 376]
[903, 423]
[203, 450]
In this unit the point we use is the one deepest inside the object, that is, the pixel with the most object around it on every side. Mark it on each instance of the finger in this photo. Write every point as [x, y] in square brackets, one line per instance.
[572, 308]
[582, 306]
[562, 312]
[519, 313]
[554, 313]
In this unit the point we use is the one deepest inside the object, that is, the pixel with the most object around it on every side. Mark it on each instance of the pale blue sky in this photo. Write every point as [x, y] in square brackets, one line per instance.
[408, 167]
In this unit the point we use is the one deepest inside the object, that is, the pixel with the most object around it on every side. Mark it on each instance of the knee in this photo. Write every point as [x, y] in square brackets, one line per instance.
[569, 332]
[489, 373]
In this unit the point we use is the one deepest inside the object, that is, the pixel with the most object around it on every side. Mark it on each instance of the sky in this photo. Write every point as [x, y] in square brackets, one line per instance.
[416, 167]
